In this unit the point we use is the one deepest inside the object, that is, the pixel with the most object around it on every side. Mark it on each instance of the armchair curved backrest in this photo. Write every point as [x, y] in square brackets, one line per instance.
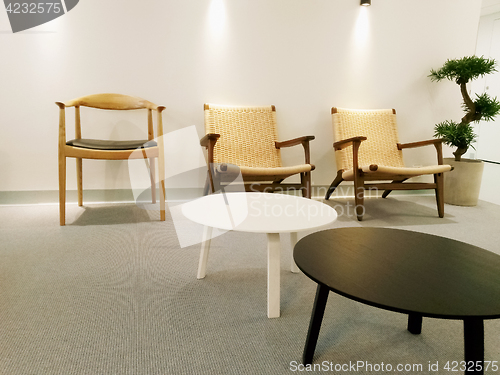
[248, 135]
[379, 126]
[111, 102]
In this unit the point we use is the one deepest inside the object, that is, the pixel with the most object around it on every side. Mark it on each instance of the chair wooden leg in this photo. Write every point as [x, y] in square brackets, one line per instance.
[62, 190]
[439, 180]
[161, 177]
[152, 177]
[211, 178]
[387, 192]
[305, 179]
[334, 184]
[218, 186]
[359, 197]
[206, 188]
[162, 200]
[79, 181]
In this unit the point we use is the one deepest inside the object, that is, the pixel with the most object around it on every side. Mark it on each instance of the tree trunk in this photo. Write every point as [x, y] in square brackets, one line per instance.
[459, 152]
[467, 100]
[470, 116]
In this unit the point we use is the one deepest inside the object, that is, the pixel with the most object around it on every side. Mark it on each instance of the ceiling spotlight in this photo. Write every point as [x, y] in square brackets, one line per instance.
[366, 3]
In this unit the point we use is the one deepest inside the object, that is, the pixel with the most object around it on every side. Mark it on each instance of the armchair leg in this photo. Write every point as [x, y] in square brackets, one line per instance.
[306, 184]
[62, 190]
[439, 180]
[334, 184]
[359, 197]
[387, 192]
[161, 178]
[211, 178]
[79, 183]
[152, 177]
[162, 200]
[206, 189]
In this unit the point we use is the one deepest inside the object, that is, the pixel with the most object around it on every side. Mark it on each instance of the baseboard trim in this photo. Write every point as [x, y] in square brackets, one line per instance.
[126, 195]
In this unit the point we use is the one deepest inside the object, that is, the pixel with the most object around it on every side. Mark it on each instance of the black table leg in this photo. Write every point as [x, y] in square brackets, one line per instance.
[415, 323]
[315, 323]
[474, 345]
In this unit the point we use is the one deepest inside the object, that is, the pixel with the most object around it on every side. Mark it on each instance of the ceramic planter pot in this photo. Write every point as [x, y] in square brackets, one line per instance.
[462, 184]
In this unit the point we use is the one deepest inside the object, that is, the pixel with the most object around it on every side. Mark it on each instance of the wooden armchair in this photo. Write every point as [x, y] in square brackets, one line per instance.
[84, 148]
[244, 139]
[368, 149]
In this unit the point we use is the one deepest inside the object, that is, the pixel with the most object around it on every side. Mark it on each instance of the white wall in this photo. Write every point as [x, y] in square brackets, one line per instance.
[488, 45]
[485, 46]
[304, 56]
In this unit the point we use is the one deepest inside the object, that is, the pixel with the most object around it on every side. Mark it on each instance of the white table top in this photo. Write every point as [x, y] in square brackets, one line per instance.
[259, 212]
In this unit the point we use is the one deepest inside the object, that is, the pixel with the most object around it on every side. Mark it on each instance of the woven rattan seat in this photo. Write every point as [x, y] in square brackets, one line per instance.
[367, 148]
[246, 138]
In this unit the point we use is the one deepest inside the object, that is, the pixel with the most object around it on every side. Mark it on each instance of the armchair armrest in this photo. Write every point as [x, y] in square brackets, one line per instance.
[209, 141]
[295, 141]
[437, 142]
[419, 144]
[355, 142]
[347, 142]
[205, 141]
[62, 126]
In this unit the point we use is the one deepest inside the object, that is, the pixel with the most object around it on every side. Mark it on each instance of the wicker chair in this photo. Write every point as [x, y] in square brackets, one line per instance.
[376, 155]
[244, 139]
[84, 148]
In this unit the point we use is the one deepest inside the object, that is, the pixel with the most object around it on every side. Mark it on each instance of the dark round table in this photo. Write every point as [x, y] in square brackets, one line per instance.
[413, 273]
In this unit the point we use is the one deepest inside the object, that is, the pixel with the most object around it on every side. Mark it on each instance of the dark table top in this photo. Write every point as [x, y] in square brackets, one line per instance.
[404, 271]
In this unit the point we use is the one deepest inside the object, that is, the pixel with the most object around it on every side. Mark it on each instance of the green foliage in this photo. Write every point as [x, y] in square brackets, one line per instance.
[461, 135]
[455, 134]
[487, 107]
[463, 70]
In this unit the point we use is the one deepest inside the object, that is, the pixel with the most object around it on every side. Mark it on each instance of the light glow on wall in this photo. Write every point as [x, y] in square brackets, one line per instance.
[217, 18]
[362, 28]
[360, 74]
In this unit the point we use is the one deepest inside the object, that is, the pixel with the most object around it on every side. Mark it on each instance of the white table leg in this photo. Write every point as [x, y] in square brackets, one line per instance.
[293, 240]
[205, 247]
[273, 275]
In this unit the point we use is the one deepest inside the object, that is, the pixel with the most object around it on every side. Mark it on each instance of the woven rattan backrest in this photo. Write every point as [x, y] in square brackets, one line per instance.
[380, 128]
[247, 135]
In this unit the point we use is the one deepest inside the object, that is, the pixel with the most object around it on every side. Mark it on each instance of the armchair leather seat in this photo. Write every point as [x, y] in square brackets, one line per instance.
[100, 144]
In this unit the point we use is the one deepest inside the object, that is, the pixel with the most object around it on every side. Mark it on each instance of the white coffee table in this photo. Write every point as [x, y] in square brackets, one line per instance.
[259, 213]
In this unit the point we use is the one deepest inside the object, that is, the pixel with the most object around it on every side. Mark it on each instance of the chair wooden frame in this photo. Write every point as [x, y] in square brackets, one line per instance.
[266, 182]
[374, 172]
[109, 102]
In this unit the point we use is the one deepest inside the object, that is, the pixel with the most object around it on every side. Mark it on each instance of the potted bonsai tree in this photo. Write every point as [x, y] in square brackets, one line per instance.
[462, 185]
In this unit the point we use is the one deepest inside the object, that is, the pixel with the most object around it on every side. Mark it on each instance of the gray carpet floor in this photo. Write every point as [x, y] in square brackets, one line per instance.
[112, 292]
